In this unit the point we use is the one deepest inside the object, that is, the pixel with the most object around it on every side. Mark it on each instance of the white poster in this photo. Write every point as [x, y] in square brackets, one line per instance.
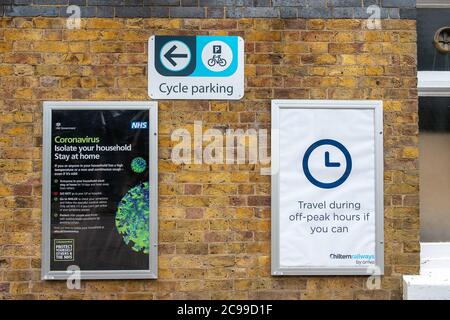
[326, 204]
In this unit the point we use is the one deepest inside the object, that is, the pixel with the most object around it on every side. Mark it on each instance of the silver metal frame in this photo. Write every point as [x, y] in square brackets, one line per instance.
[377, 106]
[433, 83]
[437, 4]
[49, 106]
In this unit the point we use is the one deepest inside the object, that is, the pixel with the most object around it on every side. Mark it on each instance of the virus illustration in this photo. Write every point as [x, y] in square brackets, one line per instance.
[132, 218]
[138, 165]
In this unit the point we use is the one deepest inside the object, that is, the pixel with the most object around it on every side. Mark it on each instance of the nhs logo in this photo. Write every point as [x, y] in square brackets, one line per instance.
[139, 125]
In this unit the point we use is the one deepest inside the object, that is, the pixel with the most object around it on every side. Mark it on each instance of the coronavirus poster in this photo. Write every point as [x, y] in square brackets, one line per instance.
[327, 187]
[100, 186]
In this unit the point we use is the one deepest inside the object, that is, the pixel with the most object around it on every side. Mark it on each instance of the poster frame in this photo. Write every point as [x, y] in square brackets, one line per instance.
[377, 107]
[48, 107]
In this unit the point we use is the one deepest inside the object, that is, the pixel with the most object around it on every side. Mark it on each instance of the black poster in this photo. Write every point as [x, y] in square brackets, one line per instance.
[99, 190]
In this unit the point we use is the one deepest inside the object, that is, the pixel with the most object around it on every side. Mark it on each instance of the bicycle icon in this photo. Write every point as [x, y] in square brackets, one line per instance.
[217, 57]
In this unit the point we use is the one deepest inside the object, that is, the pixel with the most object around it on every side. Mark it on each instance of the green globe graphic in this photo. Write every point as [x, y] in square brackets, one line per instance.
[132, 218]
[138, 165]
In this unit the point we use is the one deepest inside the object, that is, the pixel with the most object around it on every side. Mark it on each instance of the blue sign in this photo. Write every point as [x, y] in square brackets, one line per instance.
[327, 164]
[196, 67]
[196, 56]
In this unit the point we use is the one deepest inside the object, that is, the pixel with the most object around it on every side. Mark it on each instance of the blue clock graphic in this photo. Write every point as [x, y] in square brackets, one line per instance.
[327, 163]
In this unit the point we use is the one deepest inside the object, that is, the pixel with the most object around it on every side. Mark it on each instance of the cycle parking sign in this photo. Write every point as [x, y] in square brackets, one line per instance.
[196, 67]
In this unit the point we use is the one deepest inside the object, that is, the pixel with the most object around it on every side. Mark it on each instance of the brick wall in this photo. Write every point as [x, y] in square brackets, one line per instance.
[394, 9]
[214, 219]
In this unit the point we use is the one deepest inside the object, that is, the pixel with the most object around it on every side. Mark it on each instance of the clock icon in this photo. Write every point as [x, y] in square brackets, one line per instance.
[328, 163]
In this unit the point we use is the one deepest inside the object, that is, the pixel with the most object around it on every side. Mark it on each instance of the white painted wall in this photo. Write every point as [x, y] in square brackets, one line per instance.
[433, 283]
